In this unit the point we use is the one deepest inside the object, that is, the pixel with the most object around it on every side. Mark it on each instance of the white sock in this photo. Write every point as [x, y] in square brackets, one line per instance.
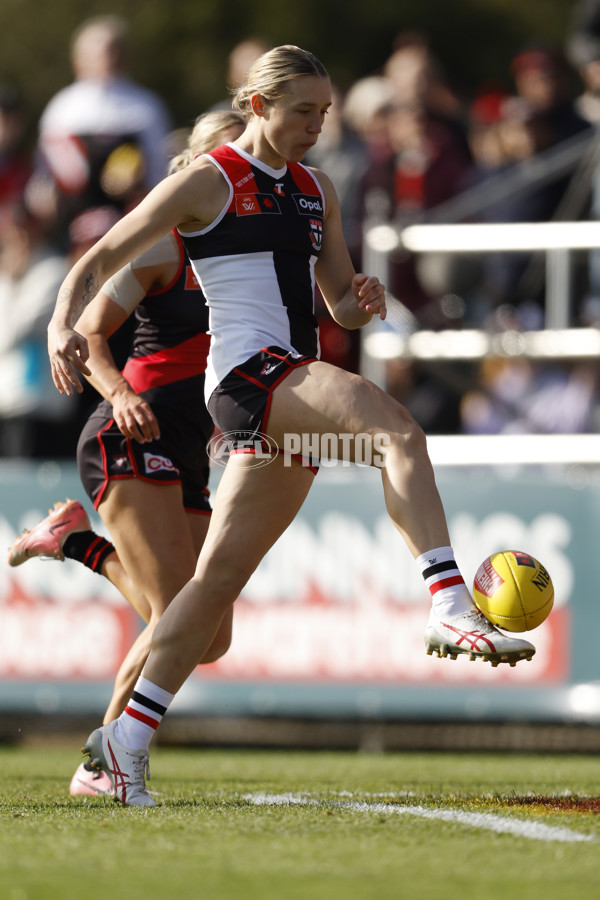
[143, 714]
[449, 593]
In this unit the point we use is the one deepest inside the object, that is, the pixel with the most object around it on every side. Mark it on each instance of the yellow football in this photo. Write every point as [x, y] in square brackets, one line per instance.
[513, 590]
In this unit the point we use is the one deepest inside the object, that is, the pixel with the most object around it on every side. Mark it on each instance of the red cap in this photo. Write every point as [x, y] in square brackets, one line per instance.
[487, 108]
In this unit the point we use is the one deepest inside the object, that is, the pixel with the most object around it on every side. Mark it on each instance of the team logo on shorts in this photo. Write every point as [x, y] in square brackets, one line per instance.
[316, 233]
[155, 463]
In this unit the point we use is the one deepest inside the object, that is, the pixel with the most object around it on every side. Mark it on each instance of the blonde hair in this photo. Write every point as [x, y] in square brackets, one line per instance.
[205, 135]
[270, 74]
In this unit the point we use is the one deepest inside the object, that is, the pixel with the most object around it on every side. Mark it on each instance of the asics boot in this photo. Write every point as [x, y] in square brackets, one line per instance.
[125, 768]
[473, 634]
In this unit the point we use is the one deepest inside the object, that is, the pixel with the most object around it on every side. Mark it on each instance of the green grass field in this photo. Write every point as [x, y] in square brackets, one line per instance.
[275, 824]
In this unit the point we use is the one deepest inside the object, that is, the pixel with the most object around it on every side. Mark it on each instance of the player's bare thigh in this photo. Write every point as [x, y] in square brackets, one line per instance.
[253, 505]
[321, 398]
[152, 534]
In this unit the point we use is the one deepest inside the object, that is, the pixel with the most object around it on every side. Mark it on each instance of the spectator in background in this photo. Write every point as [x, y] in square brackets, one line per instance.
[587, 104]
[584, 31]
[544, 80]
[484, 132]
[511, 131]
[424, 167]
[366, 106]
[238, 62]
[583, 49]
[32, 423]
[103, 138]
[522, 134]
[241, 58]
[343, 152]
[465, 274]
[15, 160]
[416, 77]
[423, 156]
[521, 396]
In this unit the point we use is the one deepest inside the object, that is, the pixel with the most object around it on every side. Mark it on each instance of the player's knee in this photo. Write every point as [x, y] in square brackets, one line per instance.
[415, 439]
[224, 579]
[407, 440]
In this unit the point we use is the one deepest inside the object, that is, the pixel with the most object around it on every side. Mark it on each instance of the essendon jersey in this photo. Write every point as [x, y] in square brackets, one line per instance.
[256, 261]
[170, 340]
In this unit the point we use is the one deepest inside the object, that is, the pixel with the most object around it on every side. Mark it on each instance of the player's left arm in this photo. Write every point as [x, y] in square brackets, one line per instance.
[351, 297]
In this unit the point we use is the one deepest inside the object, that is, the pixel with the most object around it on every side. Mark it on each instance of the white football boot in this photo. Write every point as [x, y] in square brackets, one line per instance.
[125, 768]
[473, 634]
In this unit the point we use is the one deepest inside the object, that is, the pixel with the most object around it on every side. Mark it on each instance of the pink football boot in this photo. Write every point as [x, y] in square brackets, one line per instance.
[90, 783]
[48, 537]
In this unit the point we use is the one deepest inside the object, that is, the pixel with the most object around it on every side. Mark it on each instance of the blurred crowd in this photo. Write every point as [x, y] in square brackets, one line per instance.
[402, 145]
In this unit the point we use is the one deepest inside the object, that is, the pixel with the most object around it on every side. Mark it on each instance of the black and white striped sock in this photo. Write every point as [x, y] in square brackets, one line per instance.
[449, 593]
[142, 715]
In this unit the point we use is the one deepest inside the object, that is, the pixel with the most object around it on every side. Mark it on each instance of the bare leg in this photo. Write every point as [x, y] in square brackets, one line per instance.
[322, 399]
[157, 544]
[255, 504]
[253, 507]
[112, 568]
[339, 403]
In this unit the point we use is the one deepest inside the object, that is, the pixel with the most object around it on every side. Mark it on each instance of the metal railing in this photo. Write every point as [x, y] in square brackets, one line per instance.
[557, 240]
[443, 230]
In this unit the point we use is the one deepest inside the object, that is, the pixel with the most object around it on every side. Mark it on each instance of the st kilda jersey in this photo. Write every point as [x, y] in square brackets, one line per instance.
[170, 339]
[255, 262]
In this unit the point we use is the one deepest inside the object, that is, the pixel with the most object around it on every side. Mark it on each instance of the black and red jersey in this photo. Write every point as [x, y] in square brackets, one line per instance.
[170, 339]
[255, 261]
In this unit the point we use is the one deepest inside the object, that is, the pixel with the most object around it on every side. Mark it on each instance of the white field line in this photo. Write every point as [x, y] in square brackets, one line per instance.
[535, 831]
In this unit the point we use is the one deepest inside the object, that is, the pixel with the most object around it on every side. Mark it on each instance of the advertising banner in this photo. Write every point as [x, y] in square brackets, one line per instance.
[334, 613]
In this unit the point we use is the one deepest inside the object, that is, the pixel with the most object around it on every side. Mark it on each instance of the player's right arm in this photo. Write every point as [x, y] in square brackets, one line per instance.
[191, 198]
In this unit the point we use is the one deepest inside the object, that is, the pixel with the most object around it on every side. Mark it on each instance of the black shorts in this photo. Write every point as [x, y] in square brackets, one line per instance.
[179, 456]
[240, 404]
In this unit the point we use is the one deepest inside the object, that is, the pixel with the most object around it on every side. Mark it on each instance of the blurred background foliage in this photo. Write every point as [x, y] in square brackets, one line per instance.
[180, 47]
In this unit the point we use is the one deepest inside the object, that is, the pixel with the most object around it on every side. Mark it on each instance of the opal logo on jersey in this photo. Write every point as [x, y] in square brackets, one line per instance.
[254, 204]
[155, 463]
[230, 443]
[308, 205]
